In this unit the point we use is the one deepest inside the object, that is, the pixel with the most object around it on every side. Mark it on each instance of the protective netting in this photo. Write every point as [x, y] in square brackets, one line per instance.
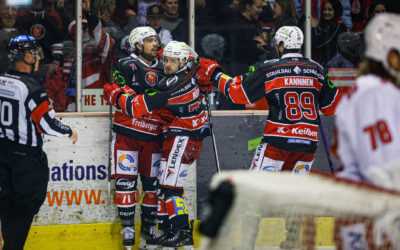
[282, 210]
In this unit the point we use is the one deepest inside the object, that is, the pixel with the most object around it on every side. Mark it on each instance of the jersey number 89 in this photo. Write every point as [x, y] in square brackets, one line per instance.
[299, 105]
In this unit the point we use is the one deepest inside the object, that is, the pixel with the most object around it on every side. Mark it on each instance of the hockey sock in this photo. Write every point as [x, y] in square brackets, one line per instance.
[162, 215]
[178, 213]
[148, 201]
[126, 200]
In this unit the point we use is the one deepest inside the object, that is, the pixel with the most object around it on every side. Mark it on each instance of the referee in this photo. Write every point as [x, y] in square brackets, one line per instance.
[25, 116]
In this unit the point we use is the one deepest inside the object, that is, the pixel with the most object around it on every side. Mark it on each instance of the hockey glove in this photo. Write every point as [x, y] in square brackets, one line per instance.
[164, 116]
[112, 92]
[159, 54]
[206, 73]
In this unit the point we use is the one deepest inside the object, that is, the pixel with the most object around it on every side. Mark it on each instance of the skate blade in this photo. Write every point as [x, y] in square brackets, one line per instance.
[185, 248]
[178, 248]
[128, 247]
[150, 247]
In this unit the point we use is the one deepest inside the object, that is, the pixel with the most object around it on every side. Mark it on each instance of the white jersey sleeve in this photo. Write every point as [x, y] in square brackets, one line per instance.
[368, 122]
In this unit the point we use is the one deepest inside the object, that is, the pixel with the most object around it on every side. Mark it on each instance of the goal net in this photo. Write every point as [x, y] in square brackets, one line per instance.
[286, 211]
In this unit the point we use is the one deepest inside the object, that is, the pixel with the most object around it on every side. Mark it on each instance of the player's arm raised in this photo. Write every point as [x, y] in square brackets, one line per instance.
[242, 89]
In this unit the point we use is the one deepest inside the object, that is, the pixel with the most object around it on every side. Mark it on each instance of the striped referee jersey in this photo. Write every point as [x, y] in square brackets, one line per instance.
[25, 115]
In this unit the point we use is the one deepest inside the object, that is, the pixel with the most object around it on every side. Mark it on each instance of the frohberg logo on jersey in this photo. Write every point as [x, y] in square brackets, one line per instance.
[297, 70]
[126, 162]
[151, 78]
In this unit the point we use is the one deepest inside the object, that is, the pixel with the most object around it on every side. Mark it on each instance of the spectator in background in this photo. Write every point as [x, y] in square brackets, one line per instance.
[104, 9]
[8, 14]
[316, 6]
[226, 9]
[122, 21]
[155, 15]
[284, 14]
[42, 21]
[205, 20]
[376, 8]
[124, 18]
[359, 13]
[324, 35]
[142, 10]
[348, 55]
[97, 55]
[173, 22]
[243, 29]
[263, 39]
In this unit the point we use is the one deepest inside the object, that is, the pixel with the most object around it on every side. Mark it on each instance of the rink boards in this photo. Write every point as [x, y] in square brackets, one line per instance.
[78, 213]
[106, 236]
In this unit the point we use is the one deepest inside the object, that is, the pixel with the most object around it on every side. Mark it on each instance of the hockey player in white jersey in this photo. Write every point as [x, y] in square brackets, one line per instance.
[368, 121]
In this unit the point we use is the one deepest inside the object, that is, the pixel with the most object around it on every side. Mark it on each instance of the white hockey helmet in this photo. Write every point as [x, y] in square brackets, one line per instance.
[177, 50]
[382, 34]
[138, 34]
[291, 36]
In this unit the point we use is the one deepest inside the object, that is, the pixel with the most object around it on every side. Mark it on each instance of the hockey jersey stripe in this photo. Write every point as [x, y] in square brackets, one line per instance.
[331, 107]
[185, 98]
[39, 111]
[299, 130]
[222, 82]
[190, 123]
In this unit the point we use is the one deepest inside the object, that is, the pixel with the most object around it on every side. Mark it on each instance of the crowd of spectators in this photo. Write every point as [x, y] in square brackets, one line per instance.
[237, 33]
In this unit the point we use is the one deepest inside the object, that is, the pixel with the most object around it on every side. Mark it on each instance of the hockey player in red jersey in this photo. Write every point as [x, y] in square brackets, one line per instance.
[367, 123]
[184, 122]
[136, 145]
[296, 89]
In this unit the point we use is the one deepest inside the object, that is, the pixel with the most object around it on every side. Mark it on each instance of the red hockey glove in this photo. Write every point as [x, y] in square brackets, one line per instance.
[159, 54]
[164, 116]
[112, 92]
[128, 90]
[205, 73]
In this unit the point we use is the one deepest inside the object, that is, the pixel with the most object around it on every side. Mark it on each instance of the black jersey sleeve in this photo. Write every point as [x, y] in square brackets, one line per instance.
[329, 95]
[122, 75]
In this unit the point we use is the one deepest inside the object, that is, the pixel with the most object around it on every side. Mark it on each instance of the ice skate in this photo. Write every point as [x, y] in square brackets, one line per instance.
[180, 238]
[128, 234]
[150, 238]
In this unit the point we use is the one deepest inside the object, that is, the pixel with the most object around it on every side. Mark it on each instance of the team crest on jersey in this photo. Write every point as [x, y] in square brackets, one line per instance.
[151, 78]
[38, 31]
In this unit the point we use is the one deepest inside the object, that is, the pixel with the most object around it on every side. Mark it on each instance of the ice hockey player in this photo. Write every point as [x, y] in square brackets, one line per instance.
[184, 132]
[25, 118]
[136, 145]
[367, 123]
[296, 89]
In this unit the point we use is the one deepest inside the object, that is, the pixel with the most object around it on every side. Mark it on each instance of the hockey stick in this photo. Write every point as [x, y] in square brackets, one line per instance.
[328, 155]
[212, 132]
